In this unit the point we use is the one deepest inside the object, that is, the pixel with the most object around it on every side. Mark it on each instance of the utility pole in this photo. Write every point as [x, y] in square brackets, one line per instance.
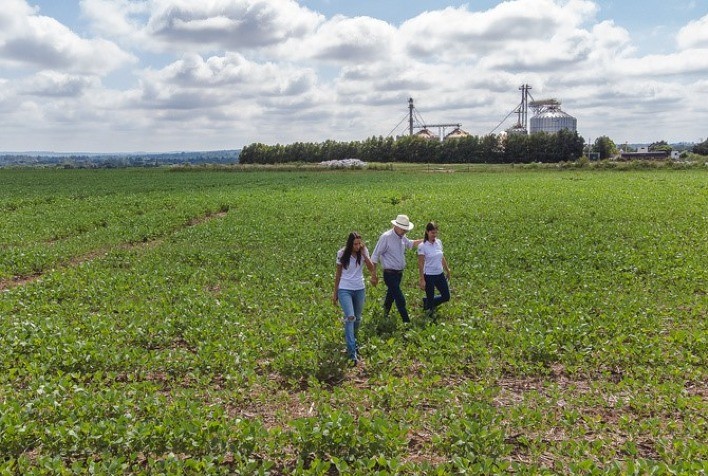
[410, 115]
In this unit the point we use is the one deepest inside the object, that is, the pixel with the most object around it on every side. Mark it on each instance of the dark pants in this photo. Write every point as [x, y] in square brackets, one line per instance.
[433, 281]
[394, 294]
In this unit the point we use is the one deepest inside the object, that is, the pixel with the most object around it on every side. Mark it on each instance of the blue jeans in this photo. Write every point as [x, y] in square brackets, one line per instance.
[352, 303]
[394, 294]
[433, 281]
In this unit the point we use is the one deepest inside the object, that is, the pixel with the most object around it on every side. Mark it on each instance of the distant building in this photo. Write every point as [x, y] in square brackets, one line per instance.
[644, 154]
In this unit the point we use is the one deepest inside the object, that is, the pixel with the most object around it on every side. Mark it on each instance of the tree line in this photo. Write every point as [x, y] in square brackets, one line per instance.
[490, 149]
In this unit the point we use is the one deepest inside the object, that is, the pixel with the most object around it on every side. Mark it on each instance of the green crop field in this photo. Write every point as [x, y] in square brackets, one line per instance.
[162, 322]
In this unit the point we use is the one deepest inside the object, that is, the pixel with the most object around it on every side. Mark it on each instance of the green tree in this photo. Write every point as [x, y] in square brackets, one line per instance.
[658, 146]
[515, 148]
[569, 145]
[701, 148]
[605, 147]
[491, 149]
[469, 150]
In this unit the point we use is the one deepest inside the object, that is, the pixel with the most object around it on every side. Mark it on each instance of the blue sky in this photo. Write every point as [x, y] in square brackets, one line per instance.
[162, 75]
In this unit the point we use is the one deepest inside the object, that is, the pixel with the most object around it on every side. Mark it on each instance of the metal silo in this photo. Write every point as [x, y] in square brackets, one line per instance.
[550, 118]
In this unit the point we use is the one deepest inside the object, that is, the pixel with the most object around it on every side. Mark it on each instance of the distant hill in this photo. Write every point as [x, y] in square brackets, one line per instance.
[112, 160]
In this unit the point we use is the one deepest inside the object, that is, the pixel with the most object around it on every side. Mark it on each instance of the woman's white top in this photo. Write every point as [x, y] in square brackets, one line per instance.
[433, 253]
[352, 276]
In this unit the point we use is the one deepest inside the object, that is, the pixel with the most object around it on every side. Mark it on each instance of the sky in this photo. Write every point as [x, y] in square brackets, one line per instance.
[169, 75]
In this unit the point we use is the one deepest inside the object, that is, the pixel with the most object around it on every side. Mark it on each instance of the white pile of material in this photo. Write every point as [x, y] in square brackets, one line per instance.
[343, 164]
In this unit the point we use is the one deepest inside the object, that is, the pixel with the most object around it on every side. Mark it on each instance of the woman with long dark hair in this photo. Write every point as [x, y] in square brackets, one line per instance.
[433, 270]
[349, 288]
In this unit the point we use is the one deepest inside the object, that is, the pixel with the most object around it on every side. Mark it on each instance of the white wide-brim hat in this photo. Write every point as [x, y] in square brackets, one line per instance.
[403, 222]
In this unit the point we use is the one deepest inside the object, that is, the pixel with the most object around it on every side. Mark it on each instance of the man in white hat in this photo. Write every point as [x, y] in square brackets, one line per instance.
[389, 251]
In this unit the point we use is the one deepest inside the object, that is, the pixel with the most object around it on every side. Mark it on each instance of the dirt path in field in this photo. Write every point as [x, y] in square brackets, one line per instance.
[17, 281]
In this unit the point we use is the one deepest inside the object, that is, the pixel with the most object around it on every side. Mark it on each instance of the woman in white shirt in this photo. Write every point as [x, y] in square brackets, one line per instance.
[433, 270]
[349, 288]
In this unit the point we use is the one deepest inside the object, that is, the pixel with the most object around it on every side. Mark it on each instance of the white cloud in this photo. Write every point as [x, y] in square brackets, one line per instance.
[117, 18]
[54, 84]
[468, 34]
[29, 40]
[12, 13]
[229, 96]
[345, 40]
[227, 77]
[680, 64]
[199, 26]
[694, 35]
[231, 24]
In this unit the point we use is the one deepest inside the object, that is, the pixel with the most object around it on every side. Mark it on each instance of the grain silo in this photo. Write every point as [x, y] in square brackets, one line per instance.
[457, 133]
[426, 134]
[518, 129]
[550, 118]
